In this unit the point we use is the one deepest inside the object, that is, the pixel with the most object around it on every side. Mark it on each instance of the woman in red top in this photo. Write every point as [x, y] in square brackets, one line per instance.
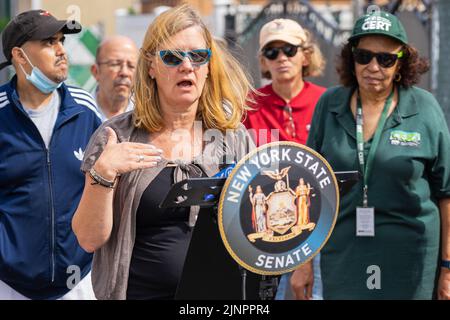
[287, 55]
[284, 109]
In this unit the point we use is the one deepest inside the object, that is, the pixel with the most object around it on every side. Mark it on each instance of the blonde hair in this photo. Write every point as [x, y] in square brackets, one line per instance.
[222, 103]
[311, 50]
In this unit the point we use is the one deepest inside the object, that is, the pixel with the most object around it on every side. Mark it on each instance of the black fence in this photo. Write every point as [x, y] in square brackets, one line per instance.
[328, 35]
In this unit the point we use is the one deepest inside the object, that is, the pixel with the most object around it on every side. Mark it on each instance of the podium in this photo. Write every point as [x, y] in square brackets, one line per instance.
[209, 272]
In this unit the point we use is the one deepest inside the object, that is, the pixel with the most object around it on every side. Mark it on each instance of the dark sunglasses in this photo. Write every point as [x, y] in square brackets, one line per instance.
[174, 58]
[384, 59]
[272, 53]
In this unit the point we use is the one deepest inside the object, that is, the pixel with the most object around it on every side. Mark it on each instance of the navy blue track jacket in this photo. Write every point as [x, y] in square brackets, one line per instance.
[40, 190]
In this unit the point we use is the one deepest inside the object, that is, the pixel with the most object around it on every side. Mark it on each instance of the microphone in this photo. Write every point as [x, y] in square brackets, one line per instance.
[224, 173]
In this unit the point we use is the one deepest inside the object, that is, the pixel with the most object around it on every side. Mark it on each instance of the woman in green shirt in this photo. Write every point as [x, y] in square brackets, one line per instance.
[392, 237]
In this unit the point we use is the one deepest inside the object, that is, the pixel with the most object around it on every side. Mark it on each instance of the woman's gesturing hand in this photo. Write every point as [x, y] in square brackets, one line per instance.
[118, 158]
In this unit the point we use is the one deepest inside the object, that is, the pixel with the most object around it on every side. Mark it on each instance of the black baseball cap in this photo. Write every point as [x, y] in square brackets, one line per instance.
[33, 25]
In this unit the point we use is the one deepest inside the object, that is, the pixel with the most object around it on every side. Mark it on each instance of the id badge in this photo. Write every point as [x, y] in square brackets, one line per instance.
[365, 222]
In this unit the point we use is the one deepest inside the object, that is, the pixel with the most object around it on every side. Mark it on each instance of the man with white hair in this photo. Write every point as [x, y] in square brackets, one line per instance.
[114, 70]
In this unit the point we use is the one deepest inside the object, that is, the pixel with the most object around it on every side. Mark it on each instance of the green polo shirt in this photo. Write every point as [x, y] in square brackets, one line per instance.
[411, 172]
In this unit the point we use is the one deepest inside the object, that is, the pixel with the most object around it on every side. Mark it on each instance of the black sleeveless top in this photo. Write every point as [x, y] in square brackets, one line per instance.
[162, 241]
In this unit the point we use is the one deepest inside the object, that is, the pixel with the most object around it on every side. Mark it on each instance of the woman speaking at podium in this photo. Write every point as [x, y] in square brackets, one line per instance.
[186, 88]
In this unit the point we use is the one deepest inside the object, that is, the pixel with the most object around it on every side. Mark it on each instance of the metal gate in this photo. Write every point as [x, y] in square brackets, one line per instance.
[329, 37]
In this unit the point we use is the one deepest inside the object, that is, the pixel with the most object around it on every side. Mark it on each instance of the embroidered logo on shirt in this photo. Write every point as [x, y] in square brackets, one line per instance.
[403, 138]
[79, 154]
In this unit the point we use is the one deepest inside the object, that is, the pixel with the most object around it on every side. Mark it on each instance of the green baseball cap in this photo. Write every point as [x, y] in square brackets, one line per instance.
[379, 23]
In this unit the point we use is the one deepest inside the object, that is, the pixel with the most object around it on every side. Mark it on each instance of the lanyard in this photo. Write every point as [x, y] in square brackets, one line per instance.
[366, 168]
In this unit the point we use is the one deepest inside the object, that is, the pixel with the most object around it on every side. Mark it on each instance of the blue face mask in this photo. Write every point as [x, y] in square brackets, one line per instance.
[39, 79]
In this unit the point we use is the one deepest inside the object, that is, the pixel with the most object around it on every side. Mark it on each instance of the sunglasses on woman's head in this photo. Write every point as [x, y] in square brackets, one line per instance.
[173, 58]
[271, 53]
[384, 59]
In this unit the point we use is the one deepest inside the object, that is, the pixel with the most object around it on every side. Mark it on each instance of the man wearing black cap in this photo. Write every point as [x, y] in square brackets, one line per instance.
[46, 125]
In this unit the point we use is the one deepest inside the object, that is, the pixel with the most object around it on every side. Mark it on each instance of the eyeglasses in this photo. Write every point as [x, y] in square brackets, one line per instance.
[384, 59]
[116, 65]
[272, 53]
[288, 123]
[173, 58]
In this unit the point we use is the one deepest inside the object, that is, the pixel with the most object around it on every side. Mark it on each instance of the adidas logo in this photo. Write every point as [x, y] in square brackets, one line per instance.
[79, 154]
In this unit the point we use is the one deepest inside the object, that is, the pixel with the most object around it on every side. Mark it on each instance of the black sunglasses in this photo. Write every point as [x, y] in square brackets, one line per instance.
[384, 59]
[272, 53]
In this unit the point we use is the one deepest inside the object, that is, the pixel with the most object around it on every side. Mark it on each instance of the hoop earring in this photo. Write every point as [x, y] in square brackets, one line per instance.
[398, 77]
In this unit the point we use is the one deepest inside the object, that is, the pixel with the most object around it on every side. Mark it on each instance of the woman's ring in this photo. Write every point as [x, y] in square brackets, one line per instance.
[141, 158]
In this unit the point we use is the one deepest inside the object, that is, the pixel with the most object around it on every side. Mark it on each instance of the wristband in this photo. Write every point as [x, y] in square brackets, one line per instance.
[445, 264]
[98, 179]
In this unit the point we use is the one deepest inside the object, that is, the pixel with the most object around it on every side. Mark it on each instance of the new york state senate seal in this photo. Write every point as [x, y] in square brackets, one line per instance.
[278, 208]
